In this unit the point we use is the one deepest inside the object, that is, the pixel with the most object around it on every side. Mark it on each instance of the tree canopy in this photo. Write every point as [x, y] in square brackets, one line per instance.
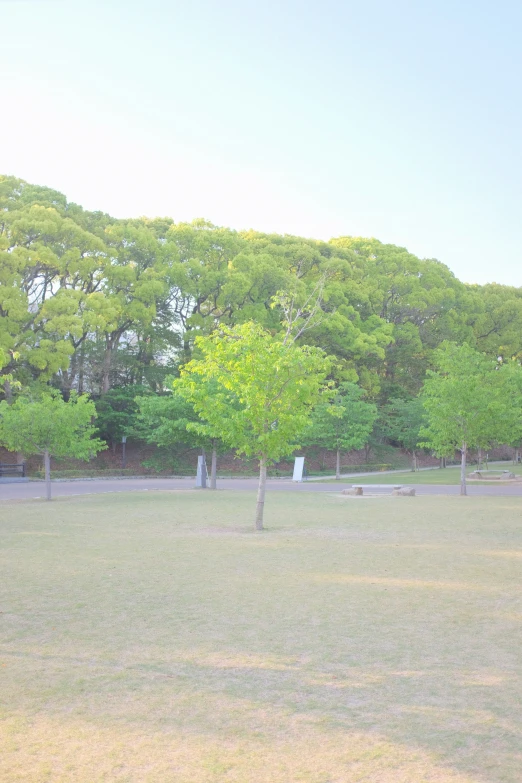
[466, 403]
[51, 427]
[343, 421]
[264, 391]
[89, 302]
[114, 308]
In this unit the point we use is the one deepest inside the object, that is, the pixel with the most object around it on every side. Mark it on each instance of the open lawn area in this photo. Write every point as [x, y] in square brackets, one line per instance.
[155, 638]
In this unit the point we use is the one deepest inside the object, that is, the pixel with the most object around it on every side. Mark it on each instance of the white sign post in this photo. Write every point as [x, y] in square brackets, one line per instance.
[201, 476]
[298, 469]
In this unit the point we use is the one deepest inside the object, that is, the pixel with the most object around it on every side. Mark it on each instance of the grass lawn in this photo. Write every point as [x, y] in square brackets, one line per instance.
[155, 638]
[445, 476]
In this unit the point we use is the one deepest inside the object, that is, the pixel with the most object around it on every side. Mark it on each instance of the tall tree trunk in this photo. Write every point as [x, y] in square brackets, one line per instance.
[111, 342]
[213, 467]
[261, 493]
[338, 465]
[414, 461]
[479, 458]
[69, 376]
[81, 367]
[463, 452]
[106, 368]
[47, 470]
[8, 391]
[443, 462]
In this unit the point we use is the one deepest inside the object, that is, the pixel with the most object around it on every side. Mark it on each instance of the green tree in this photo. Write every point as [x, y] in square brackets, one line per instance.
[50, 427]
[265, 389]
[117, 412]
[343, 422]
[418, 299]
[495, 314]
[346, 328]
[51, 274]
[401, 422]
[135, 283]
[466, 405]
[510, 381]
[169, 420]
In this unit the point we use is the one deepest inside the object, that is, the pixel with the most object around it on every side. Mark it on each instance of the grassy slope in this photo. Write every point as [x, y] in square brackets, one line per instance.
[153, 637]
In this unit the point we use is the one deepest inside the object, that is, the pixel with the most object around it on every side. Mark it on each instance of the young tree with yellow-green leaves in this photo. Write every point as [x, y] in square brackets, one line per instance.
[50, 427]
[471, 402]
[265, 389]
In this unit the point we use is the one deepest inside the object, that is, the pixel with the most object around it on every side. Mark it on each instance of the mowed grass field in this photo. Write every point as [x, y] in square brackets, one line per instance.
[152, 637]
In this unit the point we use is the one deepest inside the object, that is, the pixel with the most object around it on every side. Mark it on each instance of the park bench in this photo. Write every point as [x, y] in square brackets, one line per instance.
[492, 474]
[396, 489]
[16, 471]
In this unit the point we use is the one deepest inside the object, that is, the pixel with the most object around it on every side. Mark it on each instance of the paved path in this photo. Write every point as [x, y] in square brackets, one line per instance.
[36, 489]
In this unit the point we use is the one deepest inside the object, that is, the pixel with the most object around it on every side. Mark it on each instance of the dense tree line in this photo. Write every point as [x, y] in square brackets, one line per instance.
[89, 302]
[114, 308]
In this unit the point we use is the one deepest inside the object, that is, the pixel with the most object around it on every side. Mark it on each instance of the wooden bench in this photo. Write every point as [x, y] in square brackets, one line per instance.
[17, 469]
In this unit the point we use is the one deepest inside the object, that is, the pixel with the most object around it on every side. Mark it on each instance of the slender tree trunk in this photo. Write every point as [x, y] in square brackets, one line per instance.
[443, 462]
[8, 391]
[68, 377]
[338, 465]
[81, 367]
[106, 369]
[463, 452]
[213, 468]
[47, 470]
[479, 458]
[261, 493]
[111, 342]
[414, 461]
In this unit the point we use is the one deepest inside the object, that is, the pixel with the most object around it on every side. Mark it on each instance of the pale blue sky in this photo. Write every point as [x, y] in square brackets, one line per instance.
[399, 120]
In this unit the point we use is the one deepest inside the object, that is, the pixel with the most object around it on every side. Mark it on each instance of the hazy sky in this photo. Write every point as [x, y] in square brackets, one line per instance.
[398, 120]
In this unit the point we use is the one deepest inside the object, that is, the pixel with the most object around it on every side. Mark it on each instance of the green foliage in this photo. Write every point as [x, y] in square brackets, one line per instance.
[264, 389]
[89, 303]
[402, 421]
[344, 421]
[510, 382]
[48, 424]
[465, 402]
[163, 420]
[116, 412]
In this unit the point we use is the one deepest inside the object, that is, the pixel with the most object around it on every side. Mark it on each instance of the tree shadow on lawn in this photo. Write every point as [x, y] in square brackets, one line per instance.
[440, 724]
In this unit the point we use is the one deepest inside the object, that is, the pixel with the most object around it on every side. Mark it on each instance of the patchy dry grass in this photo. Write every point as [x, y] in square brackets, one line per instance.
[153, 637]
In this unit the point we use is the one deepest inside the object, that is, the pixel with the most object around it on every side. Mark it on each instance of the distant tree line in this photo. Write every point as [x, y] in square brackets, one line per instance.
[134, 312]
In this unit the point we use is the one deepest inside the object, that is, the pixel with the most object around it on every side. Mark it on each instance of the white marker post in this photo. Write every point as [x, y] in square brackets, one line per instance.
[201, 476]
[298, 469]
